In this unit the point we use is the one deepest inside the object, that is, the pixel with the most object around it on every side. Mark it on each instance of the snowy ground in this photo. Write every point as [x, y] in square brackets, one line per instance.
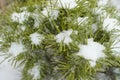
[7, 72]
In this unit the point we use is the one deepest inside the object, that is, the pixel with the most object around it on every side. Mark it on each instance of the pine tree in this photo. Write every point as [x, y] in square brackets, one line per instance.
[62, 39]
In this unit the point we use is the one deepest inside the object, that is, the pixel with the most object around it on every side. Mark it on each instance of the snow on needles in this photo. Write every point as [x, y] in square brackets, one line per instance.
[67, 4]
[92, 51]
[8, 72]
[110, 23]
[102, 2]
[81, 20]
[113, 24]
[49, 12]
[116, 3]
[20, 17]
[65, 36]
[16, 48]
[36, 38]
[35, 72]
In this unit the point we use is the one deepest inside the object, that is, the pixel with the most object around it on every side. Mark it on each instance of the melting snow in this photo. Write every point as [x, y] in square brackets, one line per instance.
[67, 4]
[20, 17]
[36, 38]
[35, 72]
[92, 51]
[16, 48]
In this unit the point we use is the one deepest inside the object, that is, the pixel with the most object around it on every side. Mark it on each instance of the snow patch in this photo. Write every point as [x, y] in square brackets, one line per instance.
[117, 70]
[92, 51]
[116, 46]
[36, 38]
[54, 14]
[64, 36]
[16, 48]
[23, 27]
[49, 12]
[20, 17]
[116, 3]
[94, 27]
[110, 23]
[66, 4]
[35, 72]
[102, 76]
[37, 19]
[102, 2]
[100, 11]
[82, 20]
[7, 72]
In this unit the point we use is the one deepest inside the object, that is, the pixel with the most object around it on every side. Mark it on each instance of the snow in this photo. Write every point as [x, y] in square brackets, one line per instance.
[94, 27]
[36, 38]
[116, 46]
[37, 19]
[100, 11]
[110, 23]
[35, 72]
[64, 36]
[54, 13]
[117, 70]
[7, 72]
[45, 12]
[102, 2]
[92, 51]
[102, 76]
[82, 20]
[16, 48]
[116, 3]
[49, 12]
[20, 17]
[22, 27]
[67, 4]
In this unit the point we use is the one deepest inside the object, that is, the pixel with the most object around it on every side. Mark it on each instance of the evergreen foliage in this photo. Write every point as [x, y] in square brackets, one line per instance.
[59, 60]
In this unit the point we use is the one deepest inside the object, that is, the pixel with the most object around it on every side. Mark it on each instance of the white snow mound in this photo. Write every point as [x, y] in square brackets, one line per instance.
[20, 17]
[64, 36]
[16, 48]
[36, 38]
[92, 51]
